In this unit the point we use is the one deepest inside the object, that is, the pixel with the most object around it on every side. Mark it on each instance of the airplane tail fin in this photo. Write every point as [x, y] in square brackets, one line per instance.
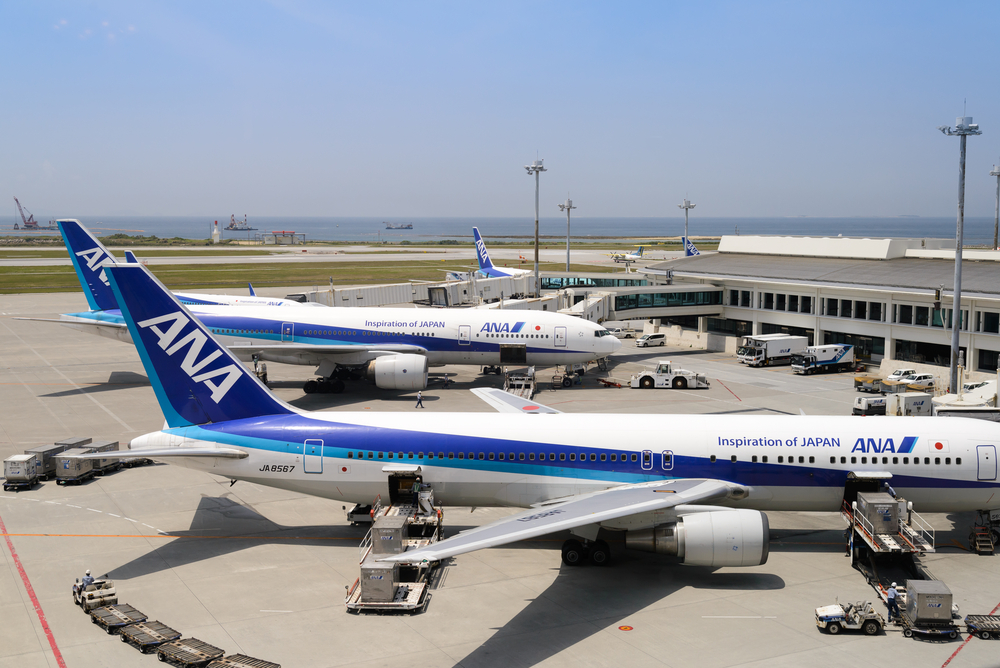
[482, 254]
[196, 379]
[88, 256]
[641, 249]
[252, 293]
[689, 248]
[130, 257]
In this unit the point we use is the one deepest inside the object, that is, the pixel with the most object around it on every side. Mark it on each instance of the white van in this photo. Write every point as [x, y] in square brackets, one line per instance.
[648, 340]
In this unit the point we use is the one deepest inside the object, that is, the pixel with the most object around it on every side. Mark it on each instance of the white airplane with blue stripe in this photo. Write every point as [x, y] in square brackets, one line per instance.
[696, 488]
[486, 267]
[392, 346]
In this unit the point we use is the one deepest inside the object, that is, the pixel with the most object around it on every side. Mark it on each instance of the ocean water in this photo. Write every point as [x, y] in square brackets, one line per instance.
[978, 231]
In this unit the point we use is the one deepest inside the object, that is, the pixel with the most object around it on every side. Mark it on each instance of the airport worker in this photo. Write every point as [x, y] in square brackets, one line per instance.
[420, 400]
[892, 603]
[87, 580]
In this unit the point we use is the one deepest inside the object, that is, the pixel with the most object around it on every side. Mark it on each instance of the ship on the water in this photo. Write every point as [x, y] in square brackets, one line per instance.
[239, 225]
[29, 222]
[401, 226]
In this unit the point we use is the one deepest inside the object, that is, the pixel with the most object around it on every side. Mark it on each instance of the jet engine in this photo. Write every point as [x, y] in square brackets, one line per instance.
[399, 372]
[716, 538]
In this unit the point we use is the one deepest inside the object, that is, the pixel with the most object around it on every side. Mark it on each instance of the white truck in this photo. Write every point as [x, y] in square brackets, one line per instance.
[770, 349]
[832, 357]
[667, 375]
[909, 403]
[869, 406]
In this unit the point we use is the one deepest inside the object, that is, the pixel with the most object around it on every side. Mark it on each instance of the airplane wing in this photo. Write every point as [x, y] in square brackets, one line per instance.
[574, 511]
[319, 351]
[81, 322]
[505, 402]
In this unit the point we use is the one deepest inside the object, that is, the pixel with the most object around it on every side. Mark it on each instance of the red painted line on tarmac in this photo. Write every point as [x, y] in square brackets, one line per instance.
[31, 595]
[962, 646]
[727, 389]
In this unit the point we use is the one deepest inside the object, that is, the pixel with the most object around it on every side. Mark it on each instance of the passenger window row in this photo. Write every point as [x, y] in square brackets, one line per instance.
[843, 460]
[491, 456]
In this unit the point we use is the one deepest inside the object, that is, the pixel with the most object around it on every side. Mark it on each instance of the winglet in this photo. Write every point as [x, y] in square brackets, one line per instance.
[252, 293]
[88, 256]
[130, 257]
[205, 382]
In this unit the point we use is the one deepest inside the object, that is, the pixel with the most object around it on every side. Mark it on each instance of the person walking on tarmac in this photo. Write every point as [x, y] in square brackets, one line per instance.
[891, 597]
[420, 400]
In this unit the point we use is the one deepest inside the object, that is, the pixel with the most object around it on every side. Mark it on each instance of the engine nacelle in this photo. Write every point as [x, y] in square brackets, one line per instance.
[718, 538]
[399, 372]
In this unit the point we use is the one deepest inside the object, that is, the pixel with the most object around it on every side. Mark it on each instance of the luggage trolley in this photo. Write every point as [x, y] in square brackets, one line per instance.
[188, 652]
[242, 661]
[113, 618]
[147, 636]
[984, 626]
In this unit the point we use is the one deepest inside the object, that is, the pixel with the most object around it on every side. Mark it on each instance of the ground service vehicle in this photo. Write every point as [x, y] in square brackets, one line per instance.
[869, 406]
[98, 594]
[850, 616]
[923, 381]
[20, 472]
[649, 340]
[620, 333]
[667, 375]
[833, 357]
[908, 403]
[899, 374]
[770, 349]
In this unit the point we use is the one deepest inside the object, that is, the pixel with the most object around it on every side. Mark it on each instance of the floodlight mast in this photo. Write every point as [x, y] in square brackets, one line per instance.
[567, 207]
[536, 168]
[963, 128]
[996, 216]
[687, 206]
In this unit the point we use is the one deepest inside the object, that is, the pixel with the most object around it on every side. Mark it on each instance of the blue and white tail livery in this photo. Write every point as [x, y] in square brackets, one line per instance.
[486, 268]
[689, 248]
[715, 473]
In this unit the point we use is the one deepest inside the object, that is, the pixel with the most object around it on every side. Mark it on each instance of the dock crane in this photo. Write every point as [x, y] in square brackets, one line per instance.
[29, 223]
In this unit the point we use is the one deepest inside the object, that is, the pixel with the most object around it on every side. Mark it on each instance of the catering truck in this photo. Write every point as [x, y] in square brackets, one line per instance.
[832, 357]
[770, 349]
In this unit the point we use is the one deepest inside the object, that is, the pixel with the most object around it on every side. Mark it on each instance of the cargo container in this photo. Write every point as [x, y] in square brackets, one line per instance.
[70, 469]
[46, 455]
[378, 579]
[928, 601]
[869, 406]
[880, 511]
[102, 466]
[20, 472]
[388, 534]
[909, 403]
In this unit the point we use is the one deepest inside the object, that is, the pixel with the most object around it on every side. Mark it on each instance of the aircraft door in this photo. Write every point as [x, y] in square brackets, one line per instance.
[987, 462]
[560, 335]
[667, 460]
[312, 462]
[288, 331]
[464, 335]
[647, 460]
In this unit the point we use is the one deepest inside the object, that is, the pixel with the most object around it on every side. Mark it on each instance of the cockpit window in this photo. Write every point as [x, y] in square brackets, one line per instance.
[602, 332]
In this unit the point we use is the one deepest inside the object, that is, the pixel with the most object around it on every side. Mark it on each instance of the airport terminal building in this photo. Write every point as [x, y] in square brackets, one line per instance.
[891, 298]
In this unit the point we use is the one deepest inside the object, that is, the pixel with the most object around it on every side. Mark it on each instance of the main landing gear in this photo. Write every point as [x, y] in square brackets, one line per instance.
[323, 386]
[576, 553]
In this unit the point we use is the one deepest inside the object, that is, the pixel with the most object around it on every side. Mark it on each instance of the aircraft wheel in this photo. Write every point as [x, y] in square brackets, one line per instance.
[833, 628]
[336, 386]
[871, 628]
[600, 553]
[310, 387]
[647, 383]
[567, 381]
[995, 533]
[573, 553]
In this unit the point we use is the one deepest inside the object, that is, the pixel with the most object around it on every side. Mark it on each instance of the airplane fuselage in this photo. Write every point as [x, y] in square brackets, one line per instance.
[477, 459]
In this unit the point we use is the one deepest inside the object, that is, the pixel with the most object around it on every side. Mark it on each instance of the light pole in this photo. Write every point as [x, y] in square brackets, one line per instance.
[687, 206]
[568, 206]
[535, 169]
[963, 128]
[996, 216]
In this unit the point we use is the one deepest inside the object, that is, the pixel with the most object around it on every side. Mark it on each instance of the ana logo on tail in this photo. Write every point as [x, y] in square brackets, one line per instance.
[94, 257]
[191, 365]
[689, 248]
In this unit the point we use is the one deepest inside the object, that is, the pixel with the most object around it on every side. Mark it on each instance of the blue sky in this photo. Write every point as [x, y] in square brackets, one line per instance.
[394, 109]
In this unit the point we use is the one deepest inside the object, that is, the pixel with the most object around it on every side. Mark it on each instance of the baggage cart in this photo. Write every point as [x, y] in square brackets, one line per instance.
[20, 472]
[147, 636]
[984, 626]
[102, 466]
[868, 383]
[71, 470]
[242, 661]
[113, 618]
[188, 652]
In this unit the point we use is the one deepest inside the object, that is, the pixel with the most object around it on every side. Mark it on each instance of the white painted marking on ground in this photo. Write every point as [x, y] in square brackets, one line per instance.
[113, 515]
[72, 506]
[129, 519]
[95, 510]
[146, 525]
[54, 503]
[277, 611]
[737, 617]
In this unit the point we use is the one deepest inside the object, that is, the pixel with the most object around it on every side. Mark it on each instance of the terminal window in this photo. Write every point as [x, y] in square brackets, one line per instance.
[845, 308]
[831, 306]
[746, 298]
[989, 360]
[923, 315]
[990, 322]
[861, 310]
[807, 306]
[875, 311]
[779, 304]
[793, 303]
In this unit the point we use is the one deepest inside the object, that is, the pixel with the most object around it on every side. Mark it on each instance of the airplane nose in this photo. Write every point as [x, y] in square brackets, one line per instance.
[615, 344]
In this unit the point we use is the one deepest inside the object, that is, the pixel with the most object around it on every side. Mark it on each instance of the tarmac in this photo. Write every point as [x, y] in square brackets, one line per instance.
[263, 571]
